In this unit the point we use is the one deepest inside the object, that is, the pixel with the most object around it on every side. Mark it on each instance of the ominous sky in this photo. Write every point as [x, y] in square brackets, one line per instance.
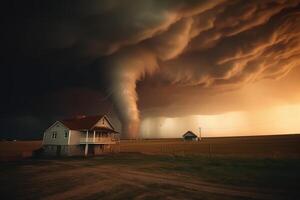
[157, 67]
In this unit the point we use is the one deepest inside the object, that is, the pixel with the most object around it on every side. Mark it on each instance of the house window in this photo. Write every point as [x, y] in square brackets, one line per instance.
[54, 134]
[66, 133]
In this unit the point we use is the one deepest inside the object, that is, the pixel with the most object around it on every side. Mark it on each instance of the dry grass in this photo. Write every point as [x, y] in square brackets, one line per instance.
[259, 146]
[18, 149]
[258, 168]
[138, 176]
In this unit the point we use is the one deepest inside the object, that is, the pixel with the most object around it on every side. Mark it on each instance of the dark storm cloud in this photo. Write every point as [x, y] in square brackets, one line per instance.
[241, 51]
[110, 45]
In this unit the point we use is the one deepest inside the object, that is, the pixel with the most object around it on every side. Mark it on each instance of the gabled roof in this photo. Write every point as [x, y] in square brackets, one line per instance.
[82, 123]
[104, 129]
[189, 134]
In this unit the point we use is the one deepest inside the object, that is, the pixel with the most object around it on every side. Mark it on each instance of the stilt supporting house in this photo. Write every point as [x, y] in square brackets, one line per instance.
[86, 150]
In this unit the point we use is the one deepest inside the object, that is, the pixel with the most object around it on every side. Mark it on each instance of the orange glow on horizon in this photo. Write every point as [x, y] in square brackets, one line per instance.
[275, 120]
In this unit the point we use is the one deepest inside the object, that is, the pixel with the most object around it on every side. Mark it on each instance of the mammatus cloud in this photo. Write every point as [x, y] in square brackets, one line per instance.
[219, 43]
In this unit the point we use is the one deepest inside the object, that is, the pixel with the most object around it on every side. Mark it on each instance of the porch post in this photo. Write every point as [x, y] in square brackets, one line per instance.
[94, 135]
[86, 143]
[87, 136]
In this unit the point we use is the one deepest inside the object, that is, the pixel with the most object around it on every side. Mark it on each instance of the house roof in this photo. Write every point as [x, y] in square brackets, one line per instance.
[96, 128]
[82, 123]
[189, 134]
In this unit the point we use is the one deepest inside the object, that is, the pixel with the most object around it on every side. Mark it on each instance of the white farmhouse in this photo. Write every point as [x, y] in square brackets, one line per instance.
[90, 135]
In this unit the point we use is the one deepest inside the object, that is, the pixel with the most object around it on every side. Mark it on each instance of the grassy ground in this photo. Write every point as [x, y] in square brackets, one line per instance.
[17, 150]
[139, 176]
[276, 146]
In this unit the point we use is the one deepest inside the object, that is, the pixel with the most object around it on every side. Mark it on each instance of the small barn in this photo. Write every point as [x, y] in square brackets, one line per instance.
[85, 135]
[190, 136]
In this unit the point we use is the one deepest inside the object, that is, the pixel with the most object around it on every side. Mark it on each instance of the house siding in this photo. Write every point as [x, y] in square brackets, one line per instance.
[60, 139]
[103, 123]
[74, 137]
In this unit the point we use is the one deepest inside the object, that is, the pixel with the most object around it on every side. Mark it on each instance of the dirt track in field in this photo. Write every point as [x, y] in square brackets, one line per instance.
[91, 178]
[72, 180]
[140, 180]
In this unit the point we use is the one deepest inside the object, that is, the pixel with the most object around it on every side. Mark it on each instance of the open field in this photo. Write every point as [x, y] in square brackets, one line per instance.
[255, 146]
[139, 176]
[18, 150]
[215, 168]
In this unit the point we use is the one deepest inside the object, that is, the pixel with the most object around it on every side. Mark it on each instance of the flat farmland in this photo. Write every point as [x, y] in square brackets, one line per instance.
[253, 146]
[139, 176]
[264, 167]
[18, 149]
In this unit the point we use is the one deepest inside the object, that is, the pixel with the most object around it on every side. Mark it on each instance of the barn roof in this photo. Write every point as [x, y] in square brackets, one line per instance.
[82, 122]
[190, 134]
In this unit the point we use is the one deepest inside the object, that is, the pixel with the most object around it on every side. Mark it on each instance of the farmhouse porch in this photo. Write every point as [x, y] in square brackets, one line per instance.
[97, 138]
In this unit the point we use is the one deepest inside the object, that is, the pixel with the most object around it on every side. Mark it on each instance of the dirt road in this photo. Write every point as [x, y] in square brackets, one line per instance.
[92, 179]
